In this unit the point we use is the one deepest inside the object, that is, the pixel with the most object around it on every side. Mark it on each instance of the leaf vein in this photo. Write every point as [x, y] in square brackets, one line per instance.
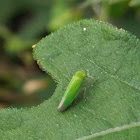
[111, 130]
[115, 77]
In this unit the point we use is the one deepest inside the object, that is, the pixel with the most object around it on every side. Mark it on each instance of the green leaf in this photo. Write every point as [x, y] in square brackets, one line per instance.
[112, 106]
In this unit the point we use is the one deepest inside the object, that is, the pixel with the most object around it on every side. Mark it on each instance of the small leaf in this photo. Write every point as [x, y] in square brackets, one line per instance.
[111, 110]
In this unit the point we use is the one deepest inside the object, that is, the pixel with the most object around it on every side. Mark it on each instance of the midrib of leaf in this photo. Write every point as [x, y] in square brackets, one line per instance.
[111, 130]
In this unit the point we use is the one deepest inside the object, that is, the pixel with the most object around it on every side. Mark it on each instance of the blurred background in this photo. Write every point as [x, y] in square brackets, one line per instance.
[23, 23]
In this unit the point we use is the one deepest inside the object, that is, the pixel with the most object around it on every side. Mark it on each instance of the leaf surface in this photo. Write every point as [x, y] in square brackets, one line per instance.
[111, 110]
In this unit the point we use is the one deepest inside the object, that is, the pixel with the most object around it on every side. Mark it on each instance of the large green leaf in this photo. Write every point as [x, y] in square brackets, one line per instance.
[111, 110]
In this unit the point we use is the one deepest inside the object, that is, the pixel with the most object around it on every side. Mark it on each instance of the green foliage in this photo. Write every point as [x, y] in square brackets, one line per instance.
[41, 17]
[112, 108]
[134, 3]
[131, 2]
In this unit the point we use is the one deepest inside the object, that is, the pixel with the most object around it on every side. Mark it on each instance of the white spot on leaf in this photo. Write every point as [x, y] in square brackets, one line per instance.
[84, 29]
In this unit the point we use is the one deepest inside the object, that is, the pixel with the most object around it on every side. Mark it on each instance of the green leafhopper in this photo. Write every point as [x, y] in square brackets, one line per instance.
[72, 90]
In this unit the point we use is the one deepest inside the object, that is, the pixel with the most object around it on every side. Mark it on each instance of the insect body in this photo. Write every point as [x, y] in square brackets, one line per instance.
[72, 90]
